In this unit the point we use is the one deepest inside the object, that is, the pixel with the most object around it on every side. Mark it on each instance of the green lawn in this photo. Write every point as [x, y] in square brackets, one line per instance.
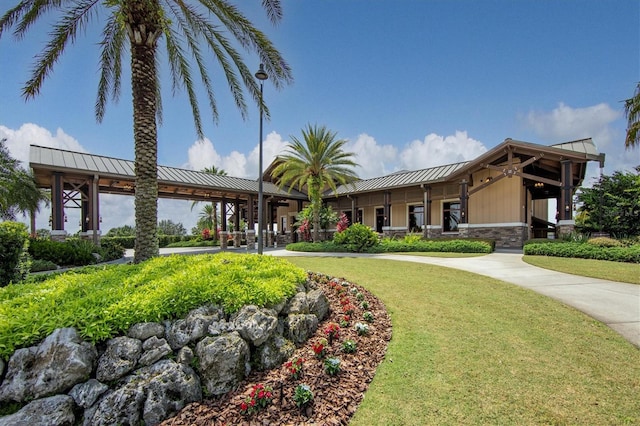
[603, 269]
[468, 349]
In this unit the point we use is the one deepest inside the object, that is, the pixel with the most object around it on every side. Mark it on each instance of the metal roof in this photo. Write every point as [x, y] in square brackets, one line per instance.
[61, 160]
[399, 179]
[584, 146]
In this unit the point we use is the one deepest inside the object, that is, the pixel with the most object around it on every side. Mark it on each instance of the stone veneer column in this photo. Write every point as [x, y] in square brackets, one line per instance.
[237, 239]
[251, 239]
[565, 227]
[223, 240]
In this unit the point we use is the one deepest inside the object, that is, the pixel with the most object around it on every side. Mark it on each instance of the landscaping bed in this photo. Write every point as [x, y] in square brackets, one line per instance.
[335, 397]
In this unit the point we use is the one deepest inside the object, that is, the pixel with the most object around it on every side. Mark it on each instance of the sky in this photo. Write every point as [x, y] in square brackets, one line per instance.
[409, 84]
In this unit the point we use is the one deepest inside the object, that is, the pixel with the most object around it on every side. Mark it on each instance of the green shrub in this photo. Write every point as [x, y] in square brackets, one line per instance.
[605, 242]
[321, 246]
[196, 242]
[14, 256]
[357, 238]
[73, 252]
[585, 251]
[111, 250]
[104, 301]
[39, 265]
[439, 245]
[127, 242]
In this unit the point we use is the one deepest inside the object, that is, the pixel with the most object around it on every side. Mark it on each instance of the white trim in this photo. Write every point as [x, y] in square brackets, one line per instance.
[433, 227]
[394, 228]
[566, 222]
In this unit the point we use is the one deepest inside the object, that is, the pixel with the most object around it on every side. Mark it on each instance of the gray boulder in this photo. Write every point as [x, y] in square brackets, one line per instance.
[144, 330]
[195, 326]
[121, 357]
[154, 350]
[297, 305]
[318, 304]
[256, 325]
[274, 352]
[223, 362]
[152, 395]
[87, 393]
[1, 367]
[54, 410]
[59, 362]
[185, 355]
[299, 327]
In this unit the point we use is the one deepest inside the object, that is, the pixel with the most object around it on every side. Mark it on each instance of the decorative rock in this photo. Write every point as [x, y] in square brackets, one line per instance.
[153, 394]
[255, 324]
[297, 305]
[87, 393]
[278, 307]
[121, 357]
[59, 362]
[185, 355]
[193, 327]
[55, 410]
[224, 362]
[1, 368]
[154, 349]
[318, 304]
[299, 327]
[274, 352]
[144, 330]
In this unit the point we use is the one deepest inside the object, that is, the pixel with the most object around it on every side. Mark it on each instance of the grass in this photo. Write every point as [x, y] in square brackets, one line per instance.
[468, 349]
[439, 254]
[603, 269]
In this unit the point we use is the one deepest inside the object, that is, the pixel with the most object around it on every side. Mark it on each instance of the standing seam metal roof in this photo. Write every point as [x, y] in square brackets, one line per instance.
[52, 158]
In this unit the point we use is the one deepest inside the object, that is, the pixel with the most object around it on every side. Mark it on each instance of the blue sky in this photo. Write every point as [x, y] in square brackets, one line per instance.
[410, 84]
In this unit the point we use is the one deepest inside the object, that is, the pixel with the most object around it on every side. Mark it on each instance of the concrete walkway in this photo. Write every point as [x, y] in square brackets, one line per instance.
[615, 304]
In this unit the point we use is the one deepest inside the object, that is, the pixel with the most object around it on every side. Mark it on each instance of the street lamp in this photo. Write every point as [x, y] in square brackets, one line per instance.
[262, 76]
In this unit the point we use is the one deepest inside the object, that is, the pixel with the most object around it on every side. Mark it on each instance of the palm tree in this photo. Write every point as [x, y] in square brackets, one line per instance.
[210, 213]
[317, 163]
[18, 190]
[140, 25]
[632, 111]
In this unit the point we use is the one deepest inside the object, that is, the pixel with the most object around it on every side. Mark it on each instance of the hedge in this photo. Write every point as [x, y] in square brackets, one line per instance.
[585, 251]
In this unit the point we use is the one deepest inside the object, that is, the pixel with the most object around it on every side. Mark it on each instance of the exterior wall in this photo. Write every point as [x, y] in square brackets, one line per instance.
[501, 202]
[506, 235]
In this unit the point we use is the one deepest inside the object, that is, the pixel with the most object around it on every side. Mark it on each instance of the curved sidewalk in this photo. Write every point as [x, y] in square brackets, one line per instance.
[615, 304]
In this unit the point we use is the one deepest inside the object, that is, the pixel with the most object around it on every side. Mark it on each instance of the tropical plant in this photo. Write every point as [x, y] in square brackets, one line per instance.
[611, 205]
[18, 190]
[140, 25]
[328, 217]
[122, 231]
[209, 215]
[316, 163]
[632, 111]
[168, 227]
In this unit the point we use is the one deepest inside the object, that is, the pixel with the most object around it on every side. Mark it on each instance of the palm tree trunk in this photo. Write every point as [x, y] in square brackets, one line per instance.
[215, 221]
[143, 34]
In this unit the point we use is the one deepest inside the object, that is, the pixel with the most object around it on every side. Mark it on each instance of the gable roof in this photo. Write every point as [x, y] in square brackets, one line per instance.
[582, 150]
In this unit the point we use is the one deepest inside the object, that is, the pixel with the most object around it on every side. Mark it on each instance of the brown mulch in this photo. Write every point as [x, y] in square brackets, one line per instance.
[336, 398]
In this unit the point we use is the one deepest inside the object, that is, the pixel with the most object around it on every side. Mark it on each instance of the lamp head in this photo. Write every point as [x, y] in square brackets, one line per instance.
[261, 74]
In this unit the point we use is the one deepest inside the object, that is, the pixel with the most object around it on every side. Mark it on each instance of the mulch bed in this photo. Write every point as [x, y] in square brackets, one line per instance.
[336, 398]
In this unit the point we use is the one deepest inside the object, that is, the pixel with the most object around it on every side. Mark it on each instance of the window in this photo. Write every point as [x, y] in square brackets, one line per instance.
[450, 216]
[348, 213]
[416, 218]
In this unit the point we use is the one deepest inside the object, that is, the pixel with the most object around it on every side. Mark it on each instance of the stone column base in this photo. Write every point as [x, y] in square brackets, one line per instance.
[565, 227]
[237, 239]
[59, 235]
[224, 243]
[251, 239]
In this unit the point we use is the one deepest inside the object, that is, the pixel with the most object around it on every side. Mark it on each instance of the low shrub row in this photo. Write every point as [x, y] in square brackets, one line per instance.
[102, 302]
[396, 246]
[585, 251]
[74, 252]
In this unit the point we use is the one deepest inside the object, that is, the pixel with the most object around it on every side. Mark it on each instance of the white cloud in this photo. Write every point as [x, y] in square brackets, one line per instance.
[565, 123]
[204, 154]
[373, 159]
[18, 141]
[436, 150]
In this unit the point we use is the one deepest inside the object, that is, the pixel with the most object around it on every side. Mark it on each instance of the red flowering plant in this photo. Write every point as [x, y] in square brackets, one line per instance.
[294, 367]
[305, 230]
[258, 399]
[206, 234]
[332, 331]
[349, 309]
[320, 348]
[345, 320]
[343, 223]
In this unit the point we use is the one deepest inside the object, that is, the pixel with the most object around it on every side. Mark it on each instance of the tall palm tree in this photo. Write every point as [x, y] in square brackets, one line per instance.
[211, 212]
[632, 111]
[139, 25]
[317, 163]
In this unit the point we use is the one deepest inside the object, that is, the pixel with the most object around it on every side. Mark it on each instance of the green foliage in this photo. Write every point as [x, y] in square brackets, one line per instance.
[122, 231]
[438, 245]
[104, 301]
[127, 242]
[585, 251]
[168, 227]
[612, 205]
[302, 395]
[14, 259]
[111, 250]
[605, 242]
[196, 242]
[68, 253]
[39, 265]
[328, 217]
[357, 238]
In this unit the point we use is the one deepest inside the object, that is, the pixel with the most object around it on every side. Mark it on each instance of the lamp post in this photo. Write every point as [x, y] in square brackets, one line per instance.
[261, 75]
